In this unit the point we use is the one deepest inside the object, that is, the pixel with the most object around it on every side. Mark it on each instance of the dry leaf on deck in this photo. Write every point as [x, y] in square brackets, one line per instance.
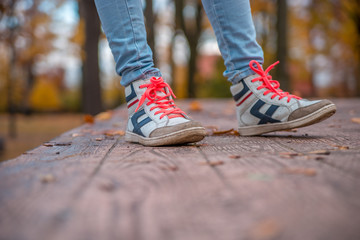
[48, 144]
[63, 144]
[114, 132]
[234, 156]
[291, 130]
[320, 152]
[88, 119]
[107, 186]
[104, 115]
[302, 171]
[216, 163]
[290, 154]
[170, 168]
[356, 120]
[265, 229]
[47, 178]
[340, 147]
[226, 132]
[195, 106]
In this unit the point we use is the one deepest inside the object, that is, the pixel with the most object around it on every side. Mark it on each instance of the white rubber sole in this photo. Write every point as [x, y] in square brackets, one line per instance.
[188, 135]
[315, 117]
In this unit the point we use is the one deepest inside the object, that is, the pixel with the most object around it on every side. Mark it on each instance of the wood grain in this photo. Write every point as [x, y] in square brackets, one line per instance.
[284, 185]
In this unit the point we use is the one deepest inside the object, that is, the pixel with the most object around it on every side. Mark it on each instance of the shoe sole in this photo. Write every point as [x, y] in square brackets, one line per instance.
[315, 117]
[188, 135]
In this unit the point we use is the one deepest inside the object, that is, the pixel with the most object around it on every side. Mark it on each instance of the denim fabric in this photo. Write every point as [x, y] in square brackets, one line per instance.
[123, 24]
[236, 36]
[124, 27]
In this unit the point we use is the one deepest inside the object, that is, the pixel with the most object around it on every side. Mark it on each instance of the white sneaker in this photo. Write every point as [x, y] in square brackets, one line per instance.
[154, 119]
[261, 106]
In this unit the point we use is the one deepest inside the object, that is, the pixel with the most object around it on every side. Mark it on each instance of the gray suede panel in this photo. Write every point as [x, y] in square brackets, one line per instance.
[170, 129]
[304, 111]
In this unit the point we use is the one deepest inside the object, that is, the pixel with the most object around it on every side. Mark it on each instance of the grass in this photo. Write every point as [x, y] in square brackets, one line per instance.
[33, 130]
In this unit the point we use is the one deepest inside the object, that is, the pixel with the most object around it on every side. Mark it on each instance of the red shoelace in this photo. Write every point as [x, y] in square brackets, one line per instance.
[164, 103]
[272, 86]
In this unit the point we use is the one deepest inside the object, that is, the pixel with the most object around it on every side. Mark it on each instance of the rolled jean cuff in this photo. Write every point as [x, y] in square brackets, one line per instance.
[139, 74]
[239, 75]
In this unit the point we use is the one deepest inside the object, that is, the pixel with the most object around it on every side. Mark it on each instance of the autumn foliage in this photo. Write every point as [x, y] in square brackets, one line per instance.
[41, 51]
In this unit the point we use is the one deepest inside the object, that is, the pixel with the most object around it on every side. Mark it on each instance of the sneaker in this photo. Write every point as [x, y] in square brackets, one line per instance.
[262, 107]
[154, 119]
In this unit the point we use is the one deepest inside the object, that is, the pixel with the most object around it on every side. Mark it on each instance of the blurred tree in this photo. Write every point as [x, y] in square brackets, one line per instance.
[281, 73]
[26, 36]
[91, 89]
[11, 27]
[150, 19]
[352, 9]
[192, 29]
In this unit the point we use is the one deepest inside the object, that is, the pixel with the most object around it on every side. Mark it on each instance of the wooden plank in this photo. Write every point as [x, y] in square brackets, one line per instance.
[225, 187]
[38, 188]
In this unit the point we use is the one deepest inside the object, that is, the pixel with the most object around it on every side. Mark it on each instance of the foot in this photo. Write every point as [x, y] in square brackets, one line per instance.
[154, 119]
[262, 107]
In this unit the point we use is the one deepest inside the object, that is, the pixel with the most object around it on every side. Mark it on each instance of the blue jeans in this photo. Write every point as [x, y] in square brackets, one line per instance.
[123, 24]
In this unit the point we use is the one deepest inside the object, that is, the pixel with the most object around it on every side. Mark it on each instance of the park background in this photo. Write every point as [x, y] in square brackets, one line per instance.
[56, 66]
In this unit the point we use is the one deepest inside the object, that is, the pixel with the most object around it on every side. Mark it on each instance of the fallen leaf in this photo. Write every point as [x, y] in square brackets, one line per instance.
[99, 139]
[302, 171]
[291, 130]
[226, 132]
[320, 152]
[48, 144]
[290, 154]
[216, 163]
[47, 178]
[356, 120]
[111, 133]
[234, 156]
[88, 119]
[75, 135]
[117, 124]
[265, 229]
[198, 144]
[107, 186]
[104, 115]
[170, 168]
[195, 106]
[63, 144]
[341, 147]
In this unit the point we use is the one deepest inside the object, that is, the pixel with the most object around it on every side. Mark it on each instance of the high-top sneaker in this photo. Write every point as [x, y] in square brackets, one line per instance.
[261, 106]
[154, 119]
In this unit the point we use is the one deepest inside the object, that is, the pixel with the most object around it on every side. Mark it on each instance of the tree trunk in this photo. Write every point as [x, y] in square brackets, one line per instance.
[91, 89]
[357, 23]
[193, 37]
[11, 108]
[150, 29]
[192, 34]
[281, 73]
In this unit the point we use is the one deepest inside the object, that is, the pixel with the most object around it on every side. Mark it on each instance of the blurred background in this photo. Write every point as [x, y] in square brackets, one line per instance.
[55, 63]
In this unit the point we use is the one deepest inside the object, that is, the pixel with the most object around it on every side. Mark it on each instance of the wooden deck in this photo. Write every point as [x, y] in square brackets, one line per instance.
[90, 184]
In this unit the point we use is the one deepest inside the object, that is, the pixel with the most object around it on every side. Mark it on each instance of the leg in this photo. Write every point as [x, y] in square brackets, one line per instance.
[235, 33]
[123, 23]
[261, 106]
[154, 119]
